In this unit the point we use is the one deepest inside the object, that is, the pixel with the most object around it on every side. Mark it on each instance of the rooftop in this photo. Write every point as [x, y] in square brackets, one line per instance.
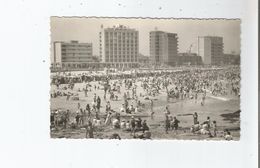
[119, 27]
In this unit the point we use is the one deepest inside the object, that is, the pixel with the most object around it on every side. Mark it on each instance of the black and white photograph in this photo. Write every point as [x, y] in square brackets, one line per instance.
[129, 83]
[145, 78]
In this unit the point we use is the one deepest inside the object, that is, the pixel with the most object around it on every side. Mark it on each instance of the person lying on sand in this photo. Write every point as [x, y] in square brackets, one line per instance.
[115, 136]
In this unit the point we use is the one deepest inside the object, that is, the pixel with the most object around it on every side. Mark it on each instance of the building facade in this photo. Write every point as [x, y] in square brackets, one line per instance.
[189, 59]
[210, 48]
[163, 48]
[72, 55]
[231, 59]
[143, 59]
[119, 47]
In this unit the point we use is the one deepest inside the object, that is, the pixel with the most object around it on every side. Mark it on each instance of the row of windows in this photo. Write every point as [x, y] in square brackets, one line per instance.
[111, 60]
[75, 52]
[121, 52]
[121, 37]
[77, 60]
[121, 41]
[77, 49]
[121, 45]
[73, 46]
[121, 33]
[216, 49]
[111, 53]
[121, 56]
[76, 55]
[82, 59]
[130, 58]
[216, 45]
[119, 48]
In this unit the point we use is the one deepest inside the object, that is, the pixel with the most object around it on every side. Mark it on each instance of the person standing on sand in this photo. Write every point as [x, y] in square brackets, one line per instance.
[89, 130]
[95, 98]
[133, 125]
[151, 107]
[214, 126]
[108, 118]
[195, 118]
[108, 107]
[167, 123]
[208, 122]
[98, 103]
[196, 96]
[81, 118]
[145, 126]
[86, 92]
[77, 118]
[88, 110]
[68, 96]
[126, 105]
[152, 115]
[203, 99]
[67, 116]
[175, 124]
[78, 106]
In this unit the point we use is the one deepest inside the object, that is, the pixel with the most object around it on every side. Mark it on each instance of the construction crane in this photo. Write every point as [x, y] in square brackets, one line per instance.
[189, 49]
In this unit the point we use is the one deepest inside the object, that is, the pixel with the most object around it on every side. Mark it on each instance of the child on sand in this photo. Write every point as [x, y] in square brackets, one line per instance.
[228, 136]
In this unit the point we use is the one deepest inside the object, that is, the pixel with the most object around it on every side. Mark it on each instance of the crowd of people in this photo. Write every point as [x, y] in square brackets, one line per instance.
[133, 89]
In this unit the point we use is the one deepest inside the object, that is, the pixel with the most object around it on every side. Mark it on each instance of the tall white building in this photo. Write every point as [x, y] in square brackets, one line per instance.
[163, 48]
[210, 48]
[119, 47]
[72, 54]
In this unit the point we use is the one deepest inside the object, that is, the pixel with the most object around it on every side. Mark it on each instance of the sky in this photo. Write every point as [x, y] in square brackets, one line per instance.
[86, 29]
